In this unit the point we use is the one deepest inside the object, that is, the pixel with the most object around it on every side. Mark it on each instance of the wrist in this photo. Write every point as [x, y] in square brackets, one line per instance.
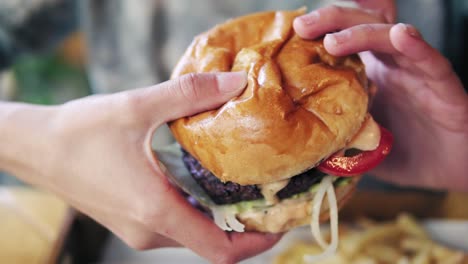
[23, 139]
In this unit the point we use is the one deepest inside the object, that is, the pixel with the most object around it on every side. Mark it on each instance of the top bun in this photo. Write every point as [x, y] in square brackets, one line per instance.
[300, 105]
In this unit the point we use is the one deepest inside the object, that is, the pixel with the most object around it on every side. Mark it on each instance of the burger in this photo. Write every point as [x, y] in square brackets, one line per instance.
[299, 132]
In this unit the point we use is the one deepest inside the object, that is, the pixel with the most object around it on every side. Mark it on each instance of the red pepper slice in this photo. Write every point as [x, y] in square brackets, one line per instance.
[358, 164]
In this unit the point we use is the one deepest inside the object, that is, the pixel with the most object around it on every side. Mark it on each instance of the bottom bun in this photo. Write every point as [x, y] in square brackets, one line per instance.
[291, 213]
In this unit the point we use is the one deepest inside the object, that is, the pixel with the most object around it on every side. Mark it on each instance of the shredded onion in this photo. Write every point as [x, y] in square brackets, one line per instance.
[226, 219]
[315, 218]
[234, 223]
[326, 186]
[220, 219]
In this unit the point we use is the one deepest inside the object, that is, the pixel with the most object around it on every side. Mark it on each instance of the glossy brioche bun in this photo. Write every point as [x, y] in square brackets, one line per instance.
[291, 213]
[300, 105]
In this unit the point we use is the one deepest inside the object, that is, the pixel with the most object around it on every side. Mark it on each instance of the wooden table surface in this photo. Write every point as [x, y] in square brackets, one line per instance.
[33, 225]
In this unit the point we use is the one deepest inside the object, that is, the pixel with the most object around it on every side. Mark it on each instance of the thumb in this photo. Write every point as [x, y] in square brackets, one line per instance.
[194, 93]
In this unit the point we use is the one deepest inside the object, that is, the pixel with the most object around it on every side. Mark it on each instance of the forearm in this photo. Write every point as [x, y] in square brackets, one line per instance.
[23, 140]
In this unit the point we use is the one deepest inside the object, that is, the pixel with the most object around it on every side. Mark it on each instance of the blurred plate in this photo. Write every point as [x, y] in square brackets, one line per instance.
[448, 232]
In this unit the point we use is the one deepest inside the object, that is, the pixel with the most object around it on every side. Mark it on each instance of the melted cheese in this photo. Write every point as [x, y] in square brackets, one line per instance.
[368, 137]
[269, 190]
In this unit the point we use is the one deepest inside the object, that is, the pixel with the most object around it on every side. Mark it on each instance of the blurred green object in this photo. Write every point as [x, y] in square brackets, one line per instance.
[48, 79]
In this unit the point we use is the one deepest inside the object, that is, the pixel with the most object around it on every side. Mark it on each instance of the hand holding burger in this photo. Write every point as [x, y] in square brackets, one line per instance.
[95, 154]
[303, 116]
[420, 98]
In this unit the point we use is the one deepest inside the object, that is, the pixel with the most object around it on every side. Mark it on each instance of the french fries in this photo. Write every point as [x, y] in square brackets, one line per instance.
[403, 241]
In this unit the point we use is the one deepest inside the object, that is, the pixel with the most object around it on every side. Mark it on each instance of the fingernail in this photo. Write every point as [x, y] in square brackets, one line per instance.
[230, 82]
[339, 38]
[310, 18]
[331, 39]
[412, 31]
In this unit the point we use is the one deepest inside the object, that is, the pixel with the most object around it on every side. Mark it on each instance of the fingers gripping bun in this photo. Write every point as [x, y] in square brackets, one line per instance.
[300, 105]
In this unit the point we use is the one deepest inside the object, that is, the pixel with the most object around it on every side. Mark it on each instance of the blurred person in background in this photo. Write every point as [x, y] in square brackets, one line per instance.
[135, 43]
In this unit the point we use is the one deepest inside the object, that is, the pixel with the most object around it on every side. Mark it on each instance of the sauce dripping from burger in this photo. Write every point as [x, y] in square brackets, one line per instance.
[367, 138]
[269, 190]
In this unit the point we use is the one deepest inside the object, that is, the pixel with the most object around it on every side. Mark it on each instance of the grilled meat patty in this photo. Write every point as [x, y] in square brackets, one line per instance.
[229, 192]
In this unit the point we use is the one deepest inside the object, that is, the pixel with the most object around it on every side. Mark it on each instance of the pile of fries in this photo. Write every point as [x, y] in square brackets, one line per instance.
[402, 241]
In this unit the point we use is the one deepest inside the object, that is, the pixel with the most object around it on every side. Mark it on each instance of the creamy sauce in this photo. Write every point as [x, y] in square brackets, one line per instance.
[368, 137]
[279, 216]
[269, 190]
[288, 212]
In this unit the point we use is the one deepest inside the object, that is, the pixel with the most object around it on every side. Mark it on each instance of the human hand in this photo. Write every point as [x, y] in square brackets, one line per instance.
[420, 98]
[99, 160]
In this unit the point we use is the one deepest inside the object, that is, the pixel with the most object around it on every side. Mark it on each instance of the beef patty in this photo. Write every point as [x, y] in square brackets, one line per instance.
[229, 192]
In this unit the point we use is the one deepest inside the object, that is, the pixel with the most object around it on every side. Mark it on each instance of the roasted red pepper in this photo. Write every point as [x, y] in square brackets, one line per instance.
[364, 161]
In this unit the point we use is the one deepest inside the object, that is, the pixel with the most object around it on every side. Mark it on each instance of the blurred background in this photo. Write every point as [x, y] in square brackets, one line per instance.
[53, 51]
